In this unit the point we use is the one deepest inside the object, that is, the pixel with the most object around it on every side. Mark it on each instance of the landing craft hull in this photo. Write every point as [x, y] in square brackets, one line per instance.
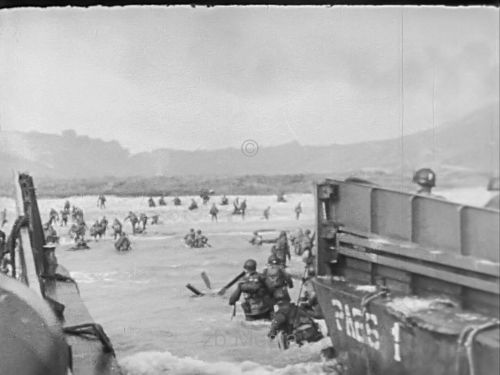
[409, 284]
[378, 342]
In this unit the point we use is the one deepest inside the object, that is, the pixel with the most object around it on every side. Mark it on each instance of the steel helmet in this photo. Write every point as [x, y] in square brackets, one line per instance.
[307, 231]
[250, 265]
[425, 177]
[273, 259]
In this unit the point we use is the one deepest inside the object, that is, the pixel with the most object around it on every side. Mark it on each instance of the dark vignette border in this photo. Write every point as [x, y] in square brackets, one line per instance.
[110, 3]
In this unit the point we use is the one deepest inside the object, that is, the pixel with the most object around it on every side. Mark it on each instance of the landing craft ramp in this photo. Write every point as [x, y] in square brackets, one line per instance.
[409, 284]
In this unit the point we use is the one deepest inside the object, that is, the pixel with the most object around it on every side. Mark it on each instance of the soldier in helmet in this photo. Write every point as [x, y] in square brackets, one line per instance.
[213, 212]
[295, 324]
[257, 302]
[224, 201]
[117, 228]
[281, 249]
[151, 202]
[267, 212]
[177, 201]
[189, 238]
[256, 240]
[200, 240]
[243, 208]
[161, 201]
[426, 179]
[143, 219]
[123, 243]
[298, 210]
[193, 205]
[277, 279]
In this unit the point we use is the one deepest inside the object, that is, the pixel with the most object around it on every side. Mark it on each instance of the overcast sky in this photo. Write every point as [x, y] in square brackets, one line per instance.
[185, 78]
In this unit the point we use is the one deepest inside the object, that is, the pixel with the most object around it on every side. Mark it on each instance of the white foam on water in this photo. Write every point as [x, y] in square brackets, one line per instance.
[149, 363]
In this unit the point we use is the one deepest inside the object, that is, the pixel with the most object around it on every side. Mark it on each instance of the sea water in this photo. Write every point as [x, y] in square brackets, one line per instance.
[155, 323]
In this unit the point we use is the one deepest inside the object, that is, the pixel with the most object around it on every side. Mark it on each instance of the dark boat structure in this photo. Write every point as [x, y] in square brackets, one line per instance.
[408, 283]
[45, 327]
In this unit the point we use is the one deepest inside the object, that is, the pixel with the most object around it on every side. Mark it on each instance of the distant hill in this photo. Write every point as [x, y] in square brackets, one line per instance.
[470, 144]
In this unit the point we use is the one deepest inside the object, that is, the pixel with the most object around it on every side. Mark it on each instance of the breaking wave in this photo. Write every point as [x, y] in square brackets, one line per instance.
[154, 363]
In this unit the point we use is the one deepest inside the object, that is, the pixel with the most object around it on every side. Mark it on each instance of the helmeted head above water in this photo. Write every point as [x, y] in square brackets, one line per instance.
[282, 233]
[273, 259]
[425, 177]
[250, 265]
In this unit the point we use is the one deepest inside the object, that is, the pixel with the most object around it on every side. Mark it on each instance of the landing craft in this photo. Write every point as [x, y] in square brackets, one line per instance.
[408, 284]
[44, 327]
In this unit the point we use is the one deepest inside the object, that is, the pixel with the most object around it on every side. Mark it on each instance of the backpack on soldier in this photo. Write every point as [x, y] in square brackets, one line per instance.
[275, 277]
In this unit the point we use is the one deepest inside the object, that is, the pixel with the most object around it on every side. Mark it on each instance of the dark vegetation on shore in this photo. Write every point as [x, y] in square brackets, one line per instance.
[230, 185]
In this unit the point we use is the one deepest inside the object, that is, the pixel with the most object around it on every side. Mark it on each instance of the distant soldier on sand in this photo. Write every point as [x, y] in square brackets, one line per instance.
[123, 243]
[155, 219]
[134, 220]
[189, 238]
[257, 302]
[266, 213]
[281, 198]
[298, 210]
[77, 214]
[213, 212]
[117, 228]
[144, 220]
[104, 223]
[177, 201]
[151, 202]
[256, 240]
[193, 205]
[64, 218]
[97, 230]
[205, 196]
[67, 206]
[161, 201]
[101, 201]
[243, 208]
[224, 201]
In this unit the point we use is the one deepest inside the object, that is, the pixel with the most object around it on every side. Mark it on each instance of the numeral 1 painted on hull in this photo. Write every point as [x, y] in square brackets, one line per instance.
[397, 340]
